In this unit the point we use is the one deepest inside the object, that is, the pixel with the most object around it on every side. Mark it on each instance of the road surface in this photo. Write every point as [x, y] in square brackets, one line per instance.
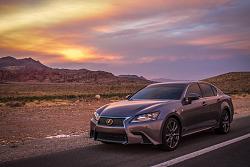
[232, 155]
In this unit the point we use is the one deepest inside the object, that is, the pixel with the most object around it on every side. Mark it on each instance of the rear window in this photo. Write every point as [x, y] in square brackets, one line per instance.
[206, 90]
[193, 88]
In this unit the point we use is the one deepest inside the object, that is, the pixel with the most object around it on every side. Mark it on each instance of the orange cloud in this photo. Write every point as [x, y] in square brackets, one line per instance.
[50, 13]
[19, 29]
[224, 41]
[211, 40]
[26, 29]
[28, 41]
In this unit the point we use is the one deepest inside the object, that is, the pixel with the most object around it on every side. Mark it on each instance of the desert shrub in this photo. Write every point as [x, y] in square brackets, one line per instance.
[15, 104]
[98, 97]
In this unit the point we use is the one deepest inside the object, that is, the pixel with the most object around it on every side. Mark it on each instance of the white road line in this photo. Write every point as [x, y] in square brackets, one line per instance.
[202, 151]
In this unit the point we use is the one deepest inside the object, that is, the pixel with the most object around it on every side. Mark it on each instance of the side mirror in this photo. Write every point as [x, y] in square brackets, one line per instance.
[128, 96]
[191, 97]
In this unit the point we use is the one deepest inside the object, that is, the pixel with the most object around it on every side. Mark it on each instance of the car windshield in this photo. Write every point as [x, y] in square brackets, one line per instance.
[161, 92]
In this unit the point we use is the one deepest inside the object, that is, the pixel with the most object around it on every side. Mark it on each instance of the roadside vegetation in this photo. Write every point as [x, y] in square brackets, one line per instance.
[27, 92]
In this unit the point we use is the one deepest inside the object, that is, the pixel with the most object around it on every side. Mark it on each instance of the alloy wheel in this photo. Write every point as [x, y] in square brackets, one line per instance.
[225, 123]
[171, 134]
[224, 127]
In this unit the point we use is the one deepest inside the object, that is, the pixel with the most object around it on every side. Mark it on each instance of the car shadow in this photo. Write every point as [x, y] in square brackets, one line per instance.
[186, 140]
[195, 140]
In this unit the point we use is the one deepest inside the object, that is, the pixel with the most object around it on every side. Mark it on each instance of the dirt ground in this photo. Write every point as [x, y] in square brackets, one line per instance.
[46, 119]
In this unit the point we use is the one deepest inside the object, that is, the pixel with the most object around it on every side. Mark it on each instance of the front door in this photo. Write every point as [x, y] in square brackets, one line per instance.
[193, 114]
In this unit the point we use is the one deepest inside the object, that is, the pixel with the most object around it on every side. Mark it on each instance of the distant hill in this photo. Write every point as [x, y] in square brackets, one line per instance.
[11, 63]
[29, 70]
[232, 83]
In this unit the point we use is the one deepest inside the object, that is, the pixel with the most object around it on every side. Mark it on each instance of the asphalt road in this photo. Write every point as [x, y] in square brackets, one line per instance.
[233, 155]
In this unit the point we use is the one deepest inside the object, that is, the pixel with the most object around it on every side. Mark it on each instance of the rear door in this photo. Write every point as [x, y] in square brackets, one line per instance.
[210, 105]
[218, 102]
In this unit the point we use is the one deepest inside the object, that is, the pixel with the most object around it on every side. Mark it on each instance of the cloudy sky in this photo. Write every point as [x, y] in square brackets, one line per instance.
[184, 39]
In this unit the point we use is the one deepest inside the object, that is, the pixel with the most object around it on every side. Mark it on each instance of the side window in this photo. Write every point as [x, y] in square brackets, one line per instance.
[214, 90]
[194, 88]
[206, 90]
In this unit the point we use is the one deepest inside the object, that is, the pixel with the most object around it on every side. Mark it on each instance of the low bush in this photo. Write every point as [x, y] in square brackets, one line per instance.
[15, 104]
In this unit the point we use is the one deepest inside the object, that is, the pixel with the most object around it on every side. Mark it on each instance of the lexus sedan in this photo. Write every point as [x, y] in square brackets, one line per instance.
[162, 113]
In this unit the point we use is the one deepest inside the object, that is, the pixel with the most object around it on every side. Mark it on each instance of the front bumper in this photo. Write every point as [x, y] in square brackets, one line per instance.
[131, 133]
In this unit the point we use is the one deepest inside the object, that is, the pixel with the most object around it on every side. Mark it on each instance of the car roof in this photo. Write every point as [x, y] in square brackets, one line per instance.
[179, 82]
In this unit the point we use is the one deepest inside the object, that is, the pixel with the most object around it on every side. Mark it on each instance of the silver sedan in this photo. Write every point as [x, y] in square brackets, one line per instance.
[162, 113]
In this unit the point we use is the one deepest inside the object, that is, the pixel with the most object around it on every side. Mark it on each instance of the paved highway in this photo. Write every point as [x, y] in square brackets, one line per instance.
[232, 155]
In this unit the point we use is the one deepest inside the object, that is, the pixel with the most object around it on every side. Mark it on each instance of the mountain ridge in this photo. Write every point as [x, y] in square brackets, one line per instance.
[30, 70]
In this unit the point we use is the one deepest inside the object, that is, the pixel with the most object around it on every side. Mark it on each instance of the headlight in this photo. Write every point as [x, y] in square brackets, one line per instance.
[146, 117]
[96, 116]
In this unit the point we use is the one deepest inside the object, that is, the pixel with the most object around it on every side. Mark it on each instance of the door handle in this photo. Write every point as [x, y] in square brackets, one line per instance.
[218, 100]
[204, 103]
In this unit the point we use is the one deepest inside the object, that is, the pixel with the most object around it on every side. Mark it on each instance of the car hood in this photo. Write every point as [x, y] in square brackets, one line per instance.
[128, 108]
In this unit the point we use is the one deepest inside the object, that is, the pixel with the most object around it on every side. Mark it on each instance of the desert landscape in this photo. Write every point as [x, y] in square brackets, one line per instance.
[60, 61]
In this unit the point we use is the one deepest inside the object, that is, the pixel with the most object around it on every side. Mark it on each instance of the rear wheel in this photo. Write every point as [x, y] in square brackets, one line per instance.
[171, 134]
[106, 142]
[224, 127]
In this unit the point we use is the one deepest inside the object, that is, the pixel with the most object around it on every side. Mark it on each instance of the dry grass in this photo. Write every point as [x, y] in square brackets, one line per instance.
[232, 83]
[241, 103]
[29, 89]
[26, 92]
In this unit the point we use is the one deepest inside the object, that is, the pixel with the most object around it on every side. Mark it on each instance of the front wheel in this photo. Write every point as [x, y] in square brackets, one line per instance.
[224, 127]
[171, 134]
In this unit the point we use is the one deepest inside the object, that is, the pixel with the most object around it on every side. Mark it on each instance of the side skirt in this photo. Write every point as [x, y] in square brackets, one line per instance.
[196, 131]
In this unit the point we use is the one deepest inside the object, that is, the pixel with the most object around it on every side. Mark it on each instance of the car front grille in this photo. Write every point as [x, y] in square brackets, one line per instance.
[112, 137]
[116, 122]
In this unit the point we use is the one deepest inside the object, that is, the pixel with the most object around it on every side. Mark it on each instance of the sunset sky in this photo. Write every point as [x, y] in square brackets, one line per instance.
[178, 39]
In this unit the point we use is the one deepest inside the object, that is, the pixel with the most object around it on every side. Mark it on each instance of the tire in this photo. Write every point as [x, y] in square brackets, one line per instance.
[171, 134]
[105, 142]
[224, 126]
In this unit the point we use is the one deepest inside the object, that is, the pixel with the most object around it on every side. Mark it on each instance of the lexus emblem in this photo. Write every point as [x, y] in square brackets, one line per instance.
[109, 122]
